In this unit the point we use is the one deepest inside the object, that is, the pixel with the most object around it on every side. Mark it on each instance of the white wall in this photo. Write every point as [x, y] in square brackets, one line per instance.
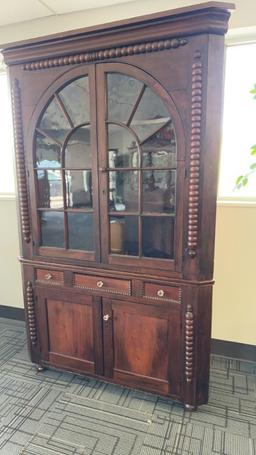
[10, 274]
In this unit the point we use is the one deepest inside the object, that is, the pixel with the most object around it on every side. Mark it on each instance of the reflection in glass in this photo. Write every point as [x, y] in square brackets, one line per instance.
[123, 92]
[123, 190]
[49, 184]
[80, 231]
[47, 152]
[79, 188]
[160, 149]
[159, 191]
[54, 122]
[150, 115]
[76, 99]
[122, 148]
[52, 229]
[78, 153]
[158, 237]
[124, 235]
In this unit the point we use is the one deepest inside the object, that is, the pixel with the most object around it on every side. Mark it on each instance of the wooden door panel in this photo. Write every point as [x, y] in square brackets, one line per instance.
[142, 345]
[70, 329]
[71, 334]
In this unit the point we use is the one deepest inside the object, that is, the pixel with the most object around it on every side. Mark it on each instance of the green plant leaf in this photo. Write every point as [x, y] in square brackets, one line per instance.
[253, 166]
[239, 180]
[253, 91]
[253, 150]
[245, 181]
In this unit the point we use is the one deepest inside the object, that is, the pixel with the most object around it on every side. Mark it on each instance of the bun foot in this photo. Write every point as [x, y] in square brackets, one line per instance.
[190, 407]
[39, 368]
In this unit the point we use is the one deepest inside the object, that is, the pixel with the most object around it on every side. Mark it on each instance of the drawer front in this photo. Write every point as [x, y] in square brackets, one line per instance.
[102, 284]
[160, 292]
[50, 276]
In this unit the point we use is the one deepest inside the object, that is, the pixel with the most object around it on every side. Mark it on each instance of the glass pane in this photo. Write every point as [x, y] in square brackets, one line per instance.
[78, 153]
[123, 92]
[47, 152]
[80, 231]
[123, 190]
[54, 122]
[49, 189]
[79, 188]
[75, 97]
[122, 148]
[52, 229]
[160, 149]
[159, 191]
[124, 235]
[150, 115]
[158, 237]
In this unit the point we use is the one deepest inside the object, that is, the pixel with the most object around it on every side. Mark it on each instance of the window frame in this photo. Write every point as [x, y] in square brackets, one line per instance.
[237, 37]
[9, 195]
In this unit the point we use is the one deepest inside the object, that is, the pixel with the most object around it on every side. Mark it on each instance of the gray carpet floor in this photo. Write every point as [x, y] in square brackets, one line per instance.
[54, 413]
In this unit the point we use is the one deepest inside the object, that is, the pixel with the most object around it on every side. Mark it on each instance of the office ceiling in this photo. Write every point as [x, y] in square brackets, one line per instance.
[14, 11]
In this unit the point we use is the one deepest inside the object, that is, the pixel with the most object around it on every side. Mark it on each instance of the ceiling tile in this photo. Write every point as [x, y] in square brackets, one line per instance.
[18, 11]
[66, 6]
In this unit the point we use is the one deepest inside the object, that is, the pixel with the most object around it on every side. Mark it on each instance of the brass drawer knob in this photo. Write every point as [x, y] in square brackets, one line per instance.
[99, 284]
[48, 276]
[106, 317]
[160, 293]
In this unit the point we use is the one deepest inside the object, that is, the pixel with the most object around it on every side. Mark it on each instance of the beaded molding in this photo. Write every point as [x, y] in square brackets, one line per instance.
[105, 54]
[111, 291]
[189, 344]
[194, 165]
[52, 283]
[31, 314]
[162, 298]
[20, 160]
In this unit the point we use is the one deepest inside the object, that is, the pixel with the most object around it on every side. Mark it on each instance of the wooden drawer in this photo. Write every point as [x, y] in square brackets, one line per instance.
[161, 292]
[50, 276]
[102, 284]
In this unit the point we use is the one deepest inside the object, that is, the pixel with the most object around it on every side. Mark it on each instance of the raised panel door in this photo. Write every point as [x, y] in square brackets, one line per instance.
[142, 345]
[70, 330]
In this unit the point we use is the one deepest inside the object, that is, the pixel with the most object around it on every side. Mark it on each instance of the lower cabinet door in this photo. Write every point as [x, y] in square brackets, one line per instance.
[142, 345]
[70, 329]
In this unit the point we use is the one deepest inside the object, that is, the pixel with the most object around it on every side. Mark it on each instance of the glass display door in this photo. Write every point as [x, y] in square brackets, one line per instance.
[65, 171]
[139, 169]
[108, 169]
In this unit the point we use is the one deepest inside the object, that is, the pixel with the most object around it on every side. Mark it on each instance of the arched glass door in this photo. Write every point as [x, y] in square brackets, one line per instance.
[139, 167]
[64, 158]
[107, 164]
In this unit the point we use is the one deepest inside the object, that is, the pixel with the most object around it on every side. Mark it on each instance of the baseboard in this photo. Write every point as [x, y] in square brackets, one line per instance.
[235, 350]
[12, 313]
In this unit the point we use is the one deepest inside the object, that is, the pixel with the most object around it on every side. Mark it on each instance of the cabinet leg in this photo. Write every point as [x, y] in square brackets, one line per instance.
[190, 407]
[39, 368]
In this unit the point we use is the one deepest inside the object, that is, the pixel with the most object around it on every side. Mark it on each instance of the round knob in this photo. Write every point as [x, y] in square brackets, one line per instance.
[99, 284]
[160, 293]
[48, 276]
[106, 317]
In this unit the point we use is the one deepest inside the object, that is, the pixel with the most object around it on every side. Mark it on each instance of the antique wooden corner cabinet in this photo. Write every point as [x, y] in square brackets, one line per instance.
[117, 132]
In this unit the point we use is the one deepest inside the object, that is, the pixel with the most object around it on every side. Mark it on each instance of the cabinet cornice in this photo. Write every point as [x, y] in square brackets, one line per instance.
[211, 17]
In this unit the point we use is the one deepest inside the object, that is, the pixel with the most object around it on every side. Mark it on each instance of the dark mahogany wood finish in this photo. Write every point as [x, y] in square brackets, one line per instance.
[117, 192]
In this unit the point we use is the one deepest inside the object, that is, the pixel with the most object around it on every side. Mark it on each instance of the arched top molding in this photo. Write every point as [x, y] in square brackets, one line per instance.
[124, 68]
